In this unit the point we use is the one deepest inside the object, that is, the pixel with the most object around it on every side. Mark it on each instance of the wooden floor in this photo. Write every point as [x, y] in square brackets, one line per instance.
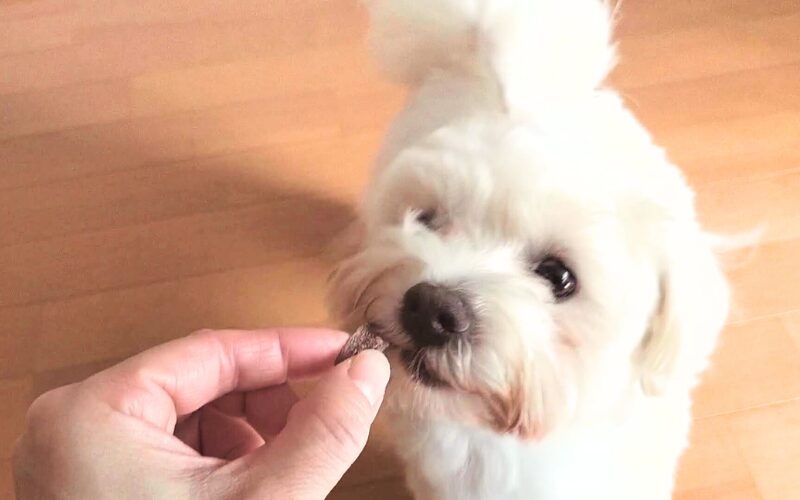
[169, 165]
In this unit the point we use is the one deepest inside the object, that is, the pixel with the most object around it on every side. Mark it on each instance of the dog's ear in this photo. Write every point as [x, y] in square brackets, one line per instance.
[691, 310]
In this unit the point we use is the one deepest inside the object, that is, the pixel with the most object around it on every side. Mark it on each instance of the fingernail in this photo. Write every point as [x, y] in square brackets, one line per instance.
[369, 372]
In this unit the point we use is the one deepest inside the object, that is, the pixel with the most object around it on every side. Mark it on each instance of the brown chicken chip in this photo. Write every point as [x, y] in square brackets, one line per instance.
[361, 340]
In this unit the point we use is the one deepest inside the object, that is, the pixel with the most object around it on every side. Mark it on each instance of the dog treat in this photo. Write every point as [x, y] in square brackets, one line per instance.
[362, 339]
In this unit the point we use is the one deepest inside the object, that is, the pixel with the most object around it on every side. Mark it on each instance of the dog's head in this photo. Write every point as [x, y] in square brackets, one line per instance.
[527, 279]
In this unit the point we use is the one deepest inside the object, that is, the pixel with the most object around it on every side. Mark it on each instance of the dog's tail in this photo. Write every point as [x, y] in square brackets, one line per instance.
[530, 48]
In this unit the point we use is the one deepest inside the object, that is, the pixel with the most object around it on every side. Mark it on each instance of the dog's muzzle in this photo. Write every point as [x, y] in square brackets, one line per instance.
[434, 314]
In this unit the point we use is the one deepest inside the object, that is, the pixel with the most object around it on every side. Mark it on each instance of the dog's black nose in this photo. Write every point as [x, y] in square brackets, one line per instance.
[433, 314]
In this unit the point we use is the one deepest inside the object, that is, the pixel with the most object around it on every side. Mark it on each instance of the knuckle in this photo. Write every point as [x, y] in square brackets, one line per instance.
[20, 452]
[44, 422]
[45, 407]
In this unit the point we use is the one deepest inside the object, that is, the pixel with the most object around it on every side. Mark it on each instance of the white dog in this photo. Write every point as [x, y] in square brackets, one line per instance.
[533, 259]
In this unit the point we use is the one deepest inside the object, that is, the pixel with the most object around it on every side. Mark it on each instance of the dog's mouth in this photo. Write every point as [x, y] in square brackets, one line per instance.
[368, 337]
[414, 362]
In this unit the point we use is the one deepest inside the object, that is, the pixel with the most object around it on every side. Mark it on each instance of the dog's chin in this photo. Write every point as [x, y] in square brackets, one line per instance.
[411, 358]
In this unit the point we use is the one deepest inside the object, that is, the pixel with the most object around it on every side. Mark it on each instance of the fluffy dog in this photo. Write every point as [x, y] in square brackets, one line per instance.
[533, 258]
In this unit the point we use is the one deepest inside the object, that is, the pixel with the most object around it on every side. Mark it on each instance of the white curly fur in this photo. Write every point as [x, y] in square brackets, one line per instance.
[510, 137]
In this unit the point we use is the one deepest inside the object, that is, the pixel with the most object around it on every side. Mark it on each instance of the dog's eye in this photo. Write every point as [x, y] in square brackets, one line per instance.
[561, 278]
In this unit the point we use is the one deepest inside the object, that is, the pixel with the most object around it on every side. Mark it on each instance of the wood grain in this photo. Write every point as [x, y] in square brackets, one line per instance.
[167, 166]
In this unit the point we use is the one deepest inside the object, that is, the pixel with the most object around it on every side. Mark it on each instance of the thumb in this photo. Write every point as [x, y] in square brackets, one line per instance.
[324, 433]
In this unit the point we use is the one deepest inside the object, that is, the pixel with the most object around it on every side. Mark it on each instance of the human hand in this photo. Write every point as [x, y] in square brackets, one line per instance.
[188, 419]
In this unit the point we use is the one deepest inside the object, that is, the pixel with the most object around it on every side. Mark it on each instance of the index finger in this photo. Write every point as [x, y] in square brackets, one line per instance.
[180, 376]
